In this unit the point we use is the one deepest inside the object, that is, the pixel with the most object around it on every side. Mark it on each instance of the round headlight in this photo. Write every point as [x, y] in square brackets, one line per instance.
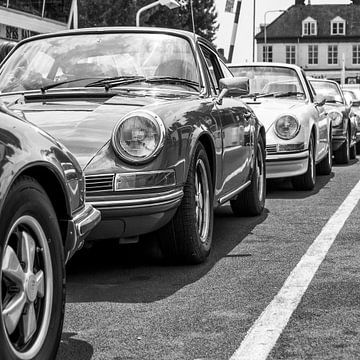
[139, 136]
[287, 127]
[335, 117]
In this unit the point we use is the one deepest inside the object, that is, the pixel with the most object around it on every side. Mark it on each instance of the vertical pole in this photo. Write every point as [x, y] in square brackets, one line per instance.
[234, 31]
[254, 12]
[343, 69]
[265, 39]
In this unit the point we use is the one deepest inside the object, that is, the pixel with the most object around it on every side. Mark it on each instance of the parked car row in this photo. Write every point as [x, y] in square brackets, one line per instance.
[163, 133]
[153, 119]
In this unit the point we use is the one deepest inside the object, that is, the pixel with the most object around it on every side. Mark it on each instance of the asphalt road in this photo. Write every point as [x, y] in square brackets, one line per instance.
[124, 303]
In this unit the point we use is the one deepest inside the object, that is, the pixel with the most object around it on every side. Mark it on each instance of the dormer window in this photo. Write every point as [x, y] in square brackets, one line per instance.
[309, 27]
[337, 26]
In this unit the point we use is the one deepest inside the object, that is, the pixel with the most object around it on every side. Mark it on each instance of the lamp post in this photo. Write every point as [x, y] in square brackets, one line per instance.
[171, 4]
[265, 39]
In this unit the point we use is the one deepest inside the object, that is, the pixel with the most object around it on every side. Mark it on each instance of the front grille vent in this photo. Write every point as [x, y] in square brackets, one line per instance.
[96, 183]
[271, 149]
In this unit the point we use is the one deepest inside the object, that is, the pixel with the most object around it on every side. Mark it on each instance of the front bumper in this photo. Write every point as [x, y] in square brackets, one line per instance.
[286, 164]
[79, 227]
[134, 214]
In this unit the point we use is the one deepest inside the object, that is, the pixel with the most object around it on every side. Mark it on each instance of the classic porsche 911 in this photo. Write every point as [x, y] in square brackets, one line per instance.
[298, 132]
[352, 95]
[155, 119]
[343, 123]
[43, 221]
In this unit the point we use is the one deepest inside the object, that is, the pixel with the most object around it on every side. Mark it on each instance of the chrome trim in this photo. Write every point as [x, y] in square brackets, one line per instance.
[160, 145]
[86, 220]
[233, 193]
[161, 198]
[288, 156]
[169, 172]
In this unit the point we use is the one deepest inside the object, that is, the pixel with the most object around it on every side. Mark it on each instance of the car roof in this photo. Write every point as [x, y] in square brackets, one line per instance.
[265, 64]
[123, 29]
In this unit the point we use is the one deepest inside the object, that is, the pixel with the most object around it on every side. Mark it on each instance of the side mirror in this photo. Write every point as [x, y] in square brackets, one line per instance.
[320, 100]
[235, 86]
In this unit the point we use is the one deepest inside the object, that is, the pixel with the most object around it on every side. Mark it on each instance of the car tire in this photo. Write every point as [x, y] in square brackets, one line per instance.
[342, 155]
[353, 152]
[251, 201]
[187, 238]
[307, 180]
[32, 273]
[358, 147]
[325, 165]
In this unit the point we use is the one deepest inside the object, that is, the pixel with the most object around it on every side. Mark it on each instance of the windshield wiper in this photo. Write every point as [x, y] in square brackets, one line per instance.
[258, 95]
[173, 80]
[117, 80]
[288, 93]
[50, 86]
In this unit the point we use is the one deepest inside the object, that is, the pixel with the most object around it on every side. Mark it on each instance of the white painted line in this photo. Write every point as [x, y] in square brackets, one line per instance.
[262, 336]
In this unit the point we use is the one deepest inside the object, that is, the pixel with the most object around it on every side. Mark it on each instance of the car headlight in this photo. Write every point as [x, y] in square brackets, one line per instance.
[335, 117]
[139, 136]
[287, 127]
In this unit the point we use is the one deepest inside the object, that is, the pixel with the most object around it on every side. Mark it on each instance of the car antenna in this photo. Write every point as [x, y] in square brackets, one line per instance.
[192, 18]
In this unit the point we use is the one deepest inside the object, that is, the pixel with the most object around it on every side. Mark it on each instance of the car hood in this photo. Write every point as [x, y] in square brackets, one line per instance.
[268, 110]
[84, 127]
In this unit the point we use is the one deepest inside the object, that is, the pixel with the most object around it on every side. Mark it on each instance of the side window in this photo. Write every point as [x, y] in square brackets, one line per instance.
[227, 73]
[213, 66]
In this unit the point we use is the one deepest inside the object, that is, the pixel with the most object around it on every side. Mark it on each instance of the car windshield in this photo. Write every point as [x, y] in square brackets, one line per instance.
[353, 93]
[327, 89]
[81, 59]
[267, 80]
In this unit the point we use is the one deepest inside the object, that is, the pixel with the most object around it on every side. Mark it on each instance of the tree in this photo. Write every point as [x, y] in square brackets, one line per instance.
[123, 13]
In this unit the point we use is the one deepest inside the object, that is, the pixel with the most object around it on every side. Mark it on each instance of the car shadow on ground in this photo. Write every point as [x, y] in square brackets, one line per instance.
[283, 189]
[71, 348]
[137, 273]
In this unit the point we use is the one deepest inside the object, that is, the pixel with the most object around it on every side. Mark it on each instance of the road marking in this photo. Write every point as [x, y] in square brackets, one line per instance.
[262, 336]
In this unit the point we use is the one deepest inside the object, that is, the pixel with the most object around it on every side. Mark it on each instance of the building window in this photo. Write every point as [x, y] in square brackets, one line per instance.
[313, 53]
[290, 54]
[309, 27]
[337, 26]
[267, 53]
[332, 54]
[356, 54]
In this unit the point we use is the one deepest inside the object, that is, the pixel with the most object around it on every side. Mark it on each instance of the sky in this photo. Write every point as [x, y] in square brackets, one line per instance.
[244, 39]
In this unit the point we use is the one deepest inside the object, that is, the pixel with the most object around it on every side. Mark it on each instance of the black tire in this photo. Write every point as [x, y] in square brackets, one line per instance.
[325, 165]
[30, 236]
[342, 155]
[353, 152]
[358, 147]
[251, 201]
[307, 180]
[184, 239]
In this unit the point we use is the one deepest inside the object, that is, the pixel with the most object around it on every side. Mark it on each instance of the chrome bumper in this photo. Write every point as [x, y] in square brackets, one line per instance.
[286, 165]
[79, 227]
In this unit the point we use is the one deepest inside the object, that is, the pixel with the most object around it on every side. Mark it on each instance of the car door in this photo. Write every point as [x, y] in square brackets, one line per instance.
[236, 131]
[322, 123]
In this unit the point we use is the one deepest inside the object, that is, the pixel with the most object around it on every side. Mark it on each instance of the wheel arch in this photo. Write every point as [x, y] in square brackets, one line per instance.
[206, 141]
[54, 190]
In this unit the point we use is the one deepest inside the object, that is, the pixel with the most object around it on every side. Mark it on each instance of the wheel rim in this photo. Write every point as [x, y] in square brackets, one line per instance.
[260, 173]
[202, 201]
[26, 287]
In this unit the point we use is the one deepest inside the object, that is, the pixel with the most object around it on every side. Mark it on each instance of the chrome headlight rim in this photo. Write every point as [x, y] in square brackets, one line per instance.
[339, 118]
[284, 137]
[133, 159]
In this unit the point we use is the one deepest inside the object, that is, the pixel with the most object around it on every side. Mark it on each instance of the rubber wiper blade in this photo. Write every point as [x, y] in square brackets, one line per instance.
[117, 80]
[173, 80]
[288, 93]
[56, 84]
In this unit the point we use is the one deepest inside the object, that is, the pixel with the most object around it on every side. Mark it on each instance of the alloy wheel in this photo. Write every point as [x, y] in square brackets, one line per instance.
[27, 287]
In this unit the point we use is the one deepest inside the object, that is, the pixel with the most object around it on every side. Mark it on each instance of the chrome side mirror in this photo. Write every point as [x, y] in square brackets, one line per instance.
[235, 86]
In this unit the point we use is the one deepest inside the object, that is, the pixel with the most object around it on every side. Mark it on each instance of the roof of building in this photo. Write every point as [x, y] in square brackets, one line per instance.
[289, 23]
